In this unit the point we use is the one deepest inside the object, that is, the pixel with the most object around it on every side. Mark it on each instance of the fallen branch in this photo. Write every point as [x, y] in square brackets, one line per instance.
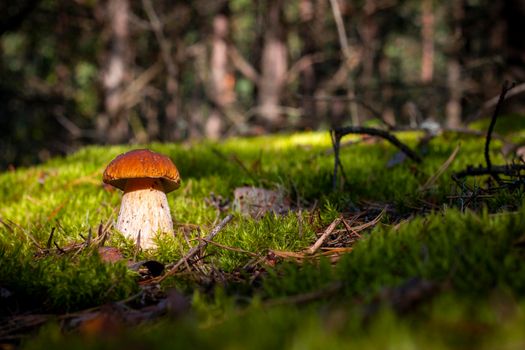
[233, 249]
[513, 170]
[325, 234]
[337, 133]
[336, 145]
[193, 251]
[381, 133]
[494, 101]
[504, 89]
[508, 170]
[370, 223]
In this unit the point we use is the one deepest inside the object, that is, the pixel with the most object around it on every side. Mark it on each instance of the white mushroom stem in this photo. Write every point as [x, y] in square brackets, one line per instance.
[144, 209]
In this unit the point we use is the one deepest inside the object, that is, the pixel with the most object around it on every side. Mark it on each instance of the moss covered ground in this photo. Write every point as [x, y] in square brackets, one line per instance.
[443, 268]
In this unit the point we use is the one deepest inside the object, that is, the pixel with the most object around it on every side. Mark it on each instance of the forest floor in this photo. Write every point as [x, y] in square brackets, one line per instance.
[399, 255]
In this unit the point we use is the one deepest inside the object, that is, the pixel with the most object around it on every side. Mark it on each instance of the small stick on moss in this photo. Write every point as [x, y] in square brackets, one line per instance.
[504, 89]
[432, 180]
[364, 226]
[520, 88]
[325, 234]
[50, 239]
[187, 265]
[508, 170]
[349, 229]
[337, 133]
[233, 249]
[137, 247]
[193, 251]
[62, 251]
[101, 235]
[336, 143]
[90, 234]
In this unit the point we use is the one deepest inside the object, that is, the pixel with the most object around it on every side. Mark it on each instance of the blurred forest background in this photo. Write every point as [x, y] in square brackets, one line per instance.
[134, 71]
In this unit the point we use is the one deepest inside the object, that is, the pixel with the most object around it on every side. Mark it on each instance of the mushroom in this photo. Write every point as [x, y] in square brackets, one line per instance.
[145, 177]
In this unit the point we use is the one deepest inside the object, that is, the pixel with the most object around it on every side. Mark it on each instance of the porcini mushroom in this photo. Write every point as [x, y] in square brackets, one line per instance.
[145, 177]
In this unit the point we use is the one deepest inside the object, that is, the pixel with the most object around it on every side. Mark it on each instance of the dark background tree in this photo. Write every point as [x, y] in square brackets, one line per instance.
[134, 71]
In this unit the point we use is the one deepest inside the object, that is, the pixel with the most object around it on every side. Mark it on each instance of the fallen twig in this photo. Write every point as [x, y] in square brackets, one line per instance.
[337, 133]
[508, 170]
[336, 143]
[50, 239]
[381, 133]
[370, 223]
[233, 249]
[494, 101]
[325, 234]
[193, 251]
[430, 182]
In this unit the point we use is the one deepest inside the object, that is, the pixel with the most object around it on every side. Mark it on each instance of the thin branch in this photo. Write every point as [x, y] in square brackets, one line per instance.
[165, 45]
[341, 32]
[233, 249]
[507, 170]
[325, 234]
[345, 48]
[195, 250]
[430, 182]
[243, 65]
[518, 89]
[303, 63]
[505, 88]
[336, 142]
[381, 133]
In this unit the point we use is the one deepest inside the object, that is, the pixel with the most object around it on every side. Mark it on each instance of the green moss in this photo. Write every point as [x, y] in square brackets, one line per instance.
[472, 254]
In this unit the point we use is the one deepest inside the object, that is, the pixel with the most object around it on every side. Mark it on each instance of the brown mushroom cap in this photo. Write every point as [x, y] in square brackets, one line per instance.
[140, 164]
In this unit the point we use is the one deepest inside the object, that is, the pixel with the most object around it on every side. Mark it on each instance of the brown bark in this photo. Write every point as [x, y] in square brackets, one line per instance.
[427, 41]
[455, 93]
[222, 80]
[454, 82]
[273, 65]
[112, 125]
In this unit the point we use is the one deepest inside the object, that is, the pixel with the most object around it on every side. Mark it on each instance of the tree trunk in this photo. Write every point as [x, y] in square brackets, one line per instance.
[455, 93]
[454, 108]
[112, 125]
[427, 41]
[222, 80]
[273, 65]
